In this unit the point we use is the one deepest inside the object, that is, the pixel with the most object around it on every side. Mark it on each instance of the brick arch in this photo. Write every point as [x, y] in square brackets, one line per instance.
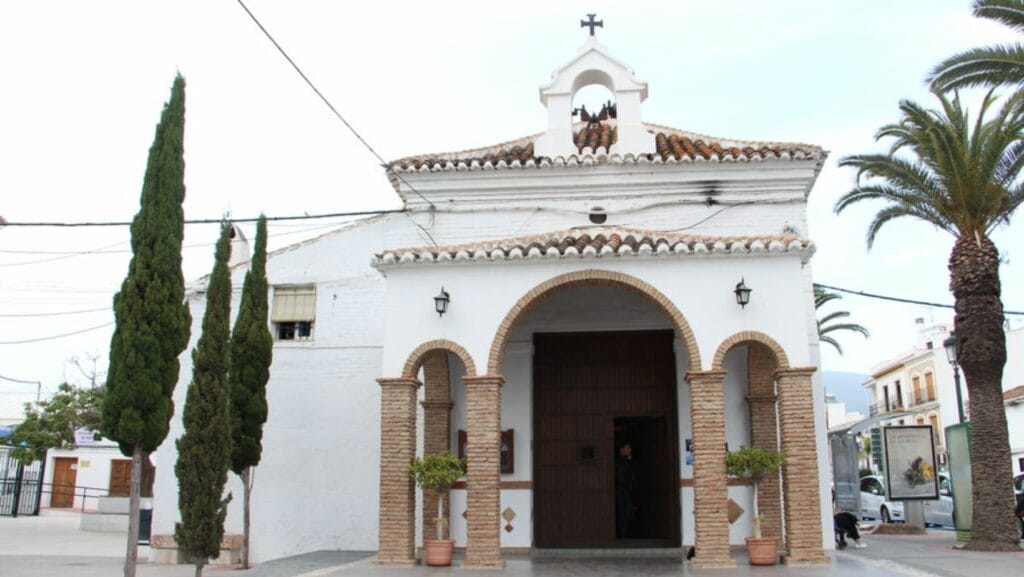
[415, 361]
[739, 338]
[591, 277]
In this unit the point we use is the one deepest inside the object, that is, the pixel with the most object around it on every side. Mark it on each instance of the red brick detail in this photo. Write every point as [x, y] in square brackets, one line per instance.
[761, 400]
[591, 277]
[437, 405]
[800, 473]
[744, 337]
[710, 488]
[397, 535]
[415, 360]
[483, 475]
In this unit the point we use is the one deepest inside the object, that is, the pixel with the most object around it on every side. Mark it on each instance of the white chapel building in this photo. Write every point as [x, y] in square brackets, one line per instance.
[592, 277]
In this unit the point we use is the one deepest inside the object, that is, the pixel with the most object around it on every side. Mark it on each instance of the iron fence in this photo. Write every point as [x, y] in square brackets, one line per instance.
[21, 486]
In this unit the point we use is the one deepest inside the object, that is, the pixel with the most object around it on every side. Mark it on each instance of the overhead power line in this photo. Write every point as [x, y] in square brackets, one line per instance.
[56, 314]
[210, 220]
[331, 106]
[54, 337]
[898, 299]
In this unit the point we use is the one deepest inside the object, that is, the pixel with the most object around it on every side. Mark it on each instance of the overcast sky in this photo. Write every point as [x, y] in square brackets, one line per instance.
[84, 83]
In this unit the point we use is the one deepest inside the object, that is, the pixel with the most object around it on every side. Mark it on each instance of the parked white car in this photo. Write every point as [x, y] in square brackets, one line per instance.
[873, 504]
[940, 512]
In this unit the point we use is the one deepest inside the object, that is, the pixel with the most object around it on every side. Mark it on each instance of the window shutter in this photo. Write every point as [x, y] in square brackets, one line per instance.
[294, 304]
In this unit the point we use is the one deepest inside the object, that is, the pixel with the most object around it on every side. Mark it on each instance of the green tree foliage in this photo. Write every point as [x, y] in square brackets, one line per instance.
[151, 318]
[827, 324]
[989, 66]
[963, 178]
[438, 472]
[51, 424]
[251, 355]
[755, 465]
[204, 450]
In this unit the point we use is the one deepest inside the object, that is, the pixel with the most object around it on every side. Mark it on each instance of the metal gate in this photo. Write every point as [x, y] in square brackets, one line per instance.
[20, 485]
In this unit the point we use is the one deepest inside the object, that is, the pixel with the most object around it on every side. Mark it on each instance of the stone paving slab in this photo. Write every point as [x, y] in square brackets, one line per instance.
[934, 553]
[52, 545]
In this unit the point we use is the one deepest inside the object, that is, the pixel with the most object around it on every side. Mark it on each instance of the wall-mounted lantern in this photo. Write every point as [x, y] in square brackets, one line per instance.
[742, 293]
[441, 302]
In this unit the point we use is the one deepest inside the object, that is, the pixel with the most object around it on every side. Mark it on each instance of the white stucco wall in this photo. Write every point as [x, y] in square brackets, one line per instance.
[316, 486]
[92, 475]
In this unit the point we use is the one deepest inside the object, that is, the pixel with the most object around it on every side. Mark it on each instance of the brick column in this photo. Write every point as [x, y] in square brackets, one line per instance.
[800, 473]
[397, 535]
[483, 497]
[437, 406]
[764, 434]
[710, 489]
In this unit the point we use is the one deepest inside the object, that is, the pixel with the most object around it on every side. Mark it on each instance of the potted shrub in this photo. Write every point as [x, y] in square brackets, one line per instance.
[438, 472]
[755, 465]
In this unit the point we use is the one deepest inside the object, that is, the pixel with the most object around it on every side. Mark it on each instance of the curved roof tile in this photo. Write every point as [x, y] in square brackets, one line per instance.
[594, 140]
[596, 242]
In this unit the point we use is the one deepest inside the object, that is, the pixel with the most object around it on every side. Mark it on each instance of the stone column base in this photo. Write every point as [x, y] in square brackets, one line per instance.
[497, 564]
[806, 558]
[714, 563]
[403, 563]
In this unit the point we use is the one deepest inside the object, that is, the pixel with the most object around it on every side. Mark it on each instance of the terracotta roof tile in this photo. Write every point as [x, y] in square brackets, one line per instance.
[593, 141]
[597, 242]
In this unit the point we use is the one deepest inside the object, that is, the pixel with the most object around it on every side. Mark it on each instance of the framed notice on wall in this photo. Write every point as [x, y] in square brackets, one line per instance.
[910, 463]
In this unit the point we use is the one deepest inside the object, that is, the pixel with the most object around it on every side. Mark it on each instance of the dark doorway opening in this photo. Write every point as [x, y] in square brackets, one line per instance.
[592, 390]
[653, 486]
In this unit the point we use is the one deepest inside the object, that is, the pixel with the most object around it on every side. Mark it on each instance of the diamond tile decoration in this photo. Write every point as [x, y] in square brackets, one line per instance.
[508, 514]
[508, 528]
[464, 513]
[735, 511]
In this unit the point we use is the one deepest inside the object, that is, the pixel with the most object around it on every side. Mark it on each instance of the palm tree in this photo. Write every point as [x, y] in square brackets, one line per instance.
[989, 66]
[827, 324]
[961, 177]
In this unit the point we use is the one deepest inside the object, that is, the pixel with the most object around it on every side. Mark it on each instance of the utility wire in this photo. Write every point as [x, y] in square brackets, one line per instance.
[898, 299]
[54, 337]
[19, 381]
[211, 220]
[331, 106]
[56, 314]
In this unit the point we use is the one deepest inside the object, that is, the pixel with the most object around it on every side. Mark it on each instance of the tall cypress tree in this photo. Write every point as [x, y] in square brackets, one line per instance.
[204, 450]
[152, 321]
[251, 354]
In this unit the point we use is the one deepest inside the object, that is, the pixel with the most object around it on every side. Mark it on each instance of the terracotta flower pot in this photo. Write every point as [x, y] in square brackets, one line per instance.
[439, 553]
[763, 550]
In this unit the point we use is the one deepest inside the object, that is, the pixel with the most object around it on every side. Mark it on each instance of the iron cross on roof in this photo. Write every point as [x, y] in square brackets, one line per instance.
[591, 23]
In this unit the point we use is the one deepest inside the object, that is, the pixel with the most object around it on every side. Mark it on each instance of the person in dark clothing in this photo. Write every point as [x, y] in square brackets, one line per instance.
[623, 491]
[846, 526]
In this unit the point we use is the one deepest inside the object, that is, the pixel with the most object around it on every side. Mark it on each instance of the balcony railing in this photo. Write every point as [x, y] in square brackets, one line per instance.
[884, 408]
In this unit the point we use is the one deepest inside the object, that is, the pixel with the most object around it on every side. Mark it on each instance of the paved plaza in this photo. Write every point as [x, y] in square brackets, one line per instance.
[52, 544]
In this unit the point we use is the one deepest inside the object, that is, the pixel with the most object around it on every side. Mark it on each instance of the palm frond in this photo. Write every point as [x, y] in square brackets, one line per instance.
[1008, 12]
[945, 167]
[854, 327]
[984, 66]
[833, 342]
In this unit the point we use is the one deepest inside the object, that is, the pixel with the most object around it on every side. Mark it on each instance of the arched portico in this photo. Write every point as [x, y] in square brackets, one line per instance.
[779, 399]
[591, 277]
[398, 442]
[690, 358]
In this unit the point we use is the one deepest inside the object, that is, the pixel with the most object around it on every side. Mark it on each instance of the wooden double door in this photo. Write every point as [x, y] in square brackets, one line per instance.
[593, 392]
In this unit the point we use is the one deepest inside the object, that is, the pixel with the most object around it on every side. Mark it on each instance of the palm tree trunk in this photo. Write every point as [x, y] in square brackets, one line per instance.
[981, 352]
